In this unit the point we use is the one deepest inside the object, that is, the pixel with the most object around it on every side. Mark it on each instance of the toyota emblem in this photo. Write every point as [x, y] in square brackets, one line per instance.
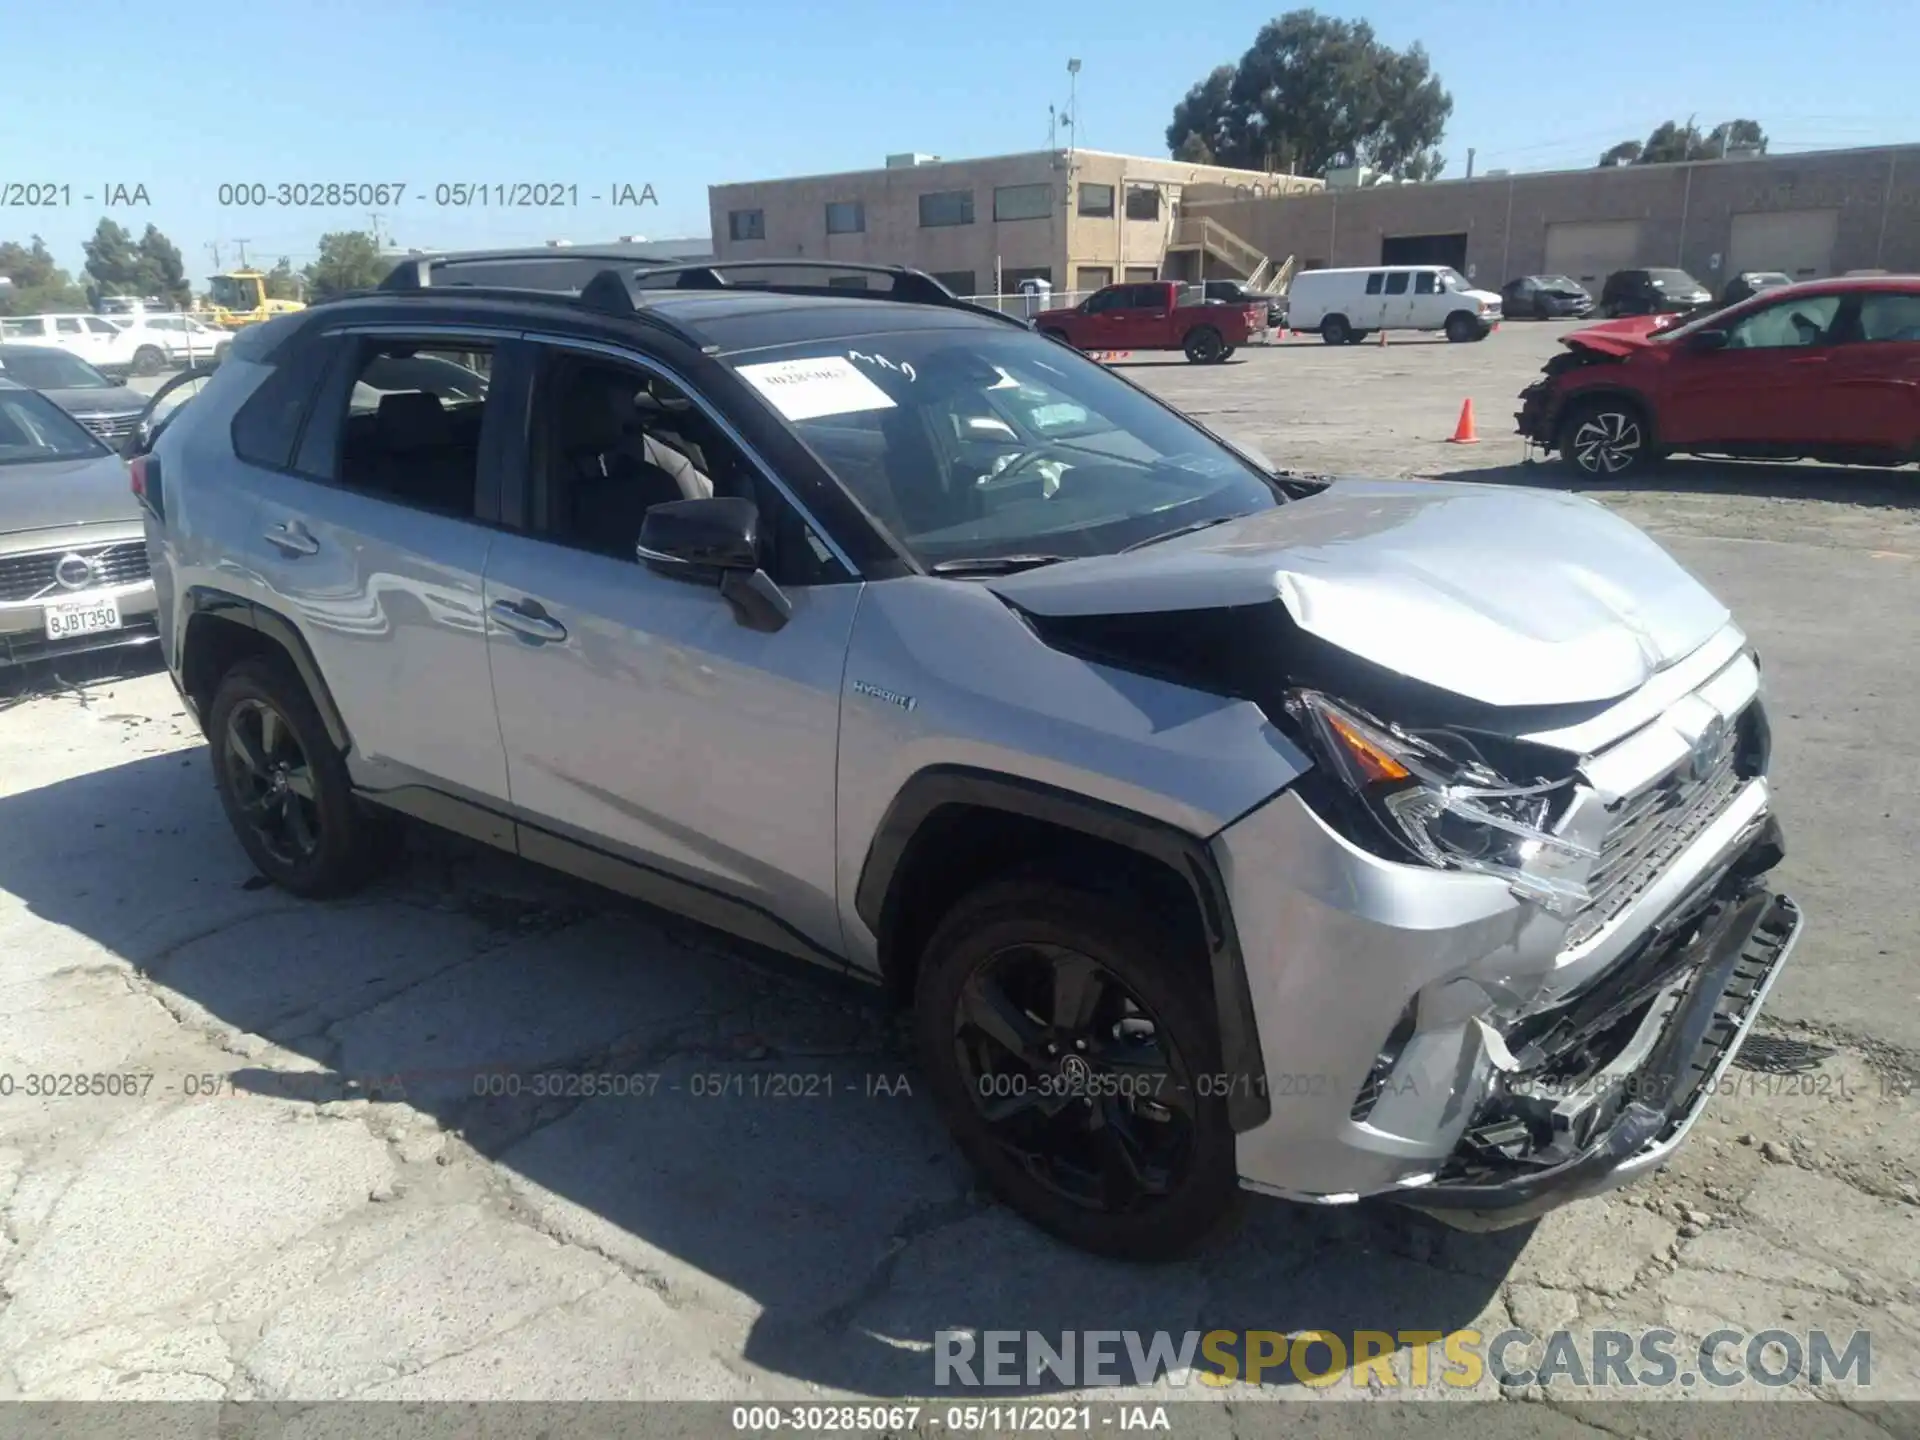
[74, 572]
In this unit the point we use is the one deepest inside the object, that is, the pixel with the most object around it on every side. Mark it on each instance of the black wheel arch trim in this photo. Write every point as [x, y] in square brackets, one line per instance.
[1187, 855]
[277, 628]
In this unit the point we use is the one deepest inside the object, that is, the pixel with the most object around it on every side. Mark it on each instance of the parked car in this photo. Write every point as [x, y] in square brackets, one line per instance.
[1828, 370]
[1235, 292]
[1750, 283]
[163, 341]
[102, 404]
[1651, 292]
[93, 338]
[73, 553]
[1346, 306]
[1156, 315]
[1545, 297]
[1222, 826]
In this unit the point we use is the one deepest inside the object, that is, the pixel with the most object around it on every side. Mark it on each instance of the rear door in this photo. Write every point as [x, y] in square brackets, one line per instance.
[1874, 379]
[1771, 385]
[374, 539]
[648, 730]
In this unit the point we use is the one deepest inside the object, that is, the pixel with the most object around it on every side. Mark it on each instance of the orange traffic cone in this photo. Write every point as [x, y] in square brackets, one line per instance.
[1463, 432]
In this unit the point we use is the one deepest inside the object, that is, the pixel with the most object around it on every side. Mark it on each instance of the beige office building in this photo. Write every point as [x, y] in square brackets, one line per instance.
[1078, 219]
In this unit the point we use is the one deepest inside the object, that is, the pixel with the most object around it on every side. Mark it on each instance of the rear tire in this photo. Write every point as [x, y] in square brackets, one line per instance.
[1605, 438]
[1354, 337]
[285, 787]
[1101, 1134]
[1204, 346]
[1335, 330]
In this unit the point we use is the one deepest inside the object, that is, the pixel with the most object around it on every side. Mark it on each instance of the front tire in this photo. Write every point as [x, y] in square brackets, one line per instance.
[284, 785]
[1067, 1045]
[1462, 327]
[1605, 439]
[1205, 347]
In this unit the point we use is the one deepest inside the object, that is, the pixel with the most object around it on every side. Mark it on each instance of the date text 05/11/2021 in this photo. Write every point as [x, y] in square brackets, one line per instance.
[444, 195]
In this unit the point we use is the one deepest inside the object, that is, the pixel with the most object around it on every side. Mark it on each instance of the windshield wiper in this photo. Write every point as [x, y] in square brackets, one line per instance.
[1206, 524]
[994, 564]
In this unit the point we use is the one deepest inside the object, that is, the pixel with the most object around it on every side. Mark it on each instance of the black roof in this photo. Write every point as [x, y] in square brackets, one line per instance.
[697, 301]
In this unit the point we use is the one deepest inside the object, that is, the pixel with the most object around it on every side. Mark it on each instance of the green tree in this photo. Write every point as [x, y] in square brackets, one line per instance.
[1312, 92]
[38, 283]
[1672, 142]
[113, 260]
[161, 271]
[282, 282]
[348, 260]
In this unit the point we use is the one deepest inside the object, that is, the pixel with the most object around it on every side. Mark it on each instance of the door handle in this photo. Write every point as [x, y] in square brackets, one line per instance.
[293, 539]
[534, 624]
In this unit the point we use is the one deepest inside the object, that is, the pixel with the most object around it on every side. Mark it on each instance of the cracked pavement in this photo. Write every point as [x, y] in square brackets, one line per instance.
[739, 1190]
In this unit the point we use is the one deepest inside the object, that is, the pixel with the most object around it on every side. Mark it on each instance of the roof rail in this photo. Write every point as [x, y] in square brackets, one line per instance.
[614, 284]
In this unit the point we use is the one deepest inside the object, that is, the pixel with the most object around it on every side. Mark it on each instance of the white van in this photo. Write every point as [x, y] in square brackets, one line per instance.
[1346, 306]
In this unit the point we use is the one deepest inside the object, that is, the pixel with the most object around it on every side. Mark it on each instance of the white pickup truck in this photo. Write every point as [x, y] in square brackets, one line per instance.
[93, 338]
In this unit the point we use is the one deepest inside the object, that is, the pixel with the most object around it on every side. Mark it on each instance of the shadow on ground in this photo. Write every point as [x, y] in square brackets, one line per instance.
[747, 1135]
[1841, 484]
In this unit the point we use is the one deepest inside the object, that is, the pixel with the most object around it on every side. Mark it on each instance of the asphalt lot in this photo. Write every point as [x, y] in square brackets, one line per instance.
[314, 1197]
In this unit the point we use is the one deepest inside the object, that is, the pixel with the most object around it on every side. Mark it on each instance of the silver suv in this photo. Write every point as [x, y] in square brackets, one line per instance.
[1223, 827]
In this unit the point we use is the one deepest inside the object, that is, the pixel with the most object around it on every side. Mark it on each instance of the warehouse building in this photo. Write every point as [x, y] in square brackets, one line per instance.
[1077, 219]
[1809, 215]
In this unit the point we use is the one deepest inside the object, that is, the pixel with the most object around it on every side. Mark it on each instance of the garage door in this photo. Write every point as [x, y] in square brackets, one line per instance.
[1591, 250]
[1796, 242]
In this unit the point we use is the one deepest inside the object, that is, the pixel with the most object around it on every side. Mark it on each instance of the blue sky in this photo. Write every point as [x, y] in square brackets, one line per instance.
[181, 96]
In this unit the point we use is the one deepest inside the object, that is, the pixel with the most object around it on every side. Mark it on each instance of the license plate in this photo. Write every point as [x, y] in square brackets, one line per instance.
[68, 618]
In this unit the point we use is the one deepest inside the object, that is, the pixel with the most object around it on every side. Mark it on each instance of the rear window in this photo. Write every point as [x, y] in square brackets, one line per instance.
[267, 426]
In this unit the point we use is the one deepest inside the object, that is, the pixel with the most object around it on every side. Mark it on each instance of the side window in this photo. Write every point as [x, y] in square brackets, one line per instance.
[101, 327]
[33, 328]
[1145, 297]
[412, 427]
[612, 440]
[1891, 317]
[1424, 283]
[1789, 323]
[67, 325]
[267, 426]
[1373, 283]
[1397, 283]
[1106, 300]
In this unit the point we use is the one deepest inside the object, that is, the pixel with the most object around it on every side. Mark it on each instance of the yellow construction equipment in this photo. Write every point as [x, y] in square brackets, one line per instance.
[237, 298]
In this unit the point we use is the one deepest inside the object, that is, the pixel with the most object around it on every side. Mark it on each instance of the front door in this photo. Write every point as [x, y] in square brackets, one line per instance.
[1768, 386]
[644, 722]
[375, 541]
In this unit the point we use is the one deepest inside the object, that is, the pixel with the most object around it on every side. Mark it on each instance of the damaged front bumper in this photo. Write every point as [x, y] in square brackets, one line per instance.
[1539, 1141]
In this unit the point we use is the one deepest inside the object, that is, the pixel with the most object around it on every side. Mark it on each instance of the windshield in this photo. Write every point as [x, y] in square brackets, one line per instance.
[1558, 282]
[233, 294]
[33, 429]
[987, 444]
[1672, 280]
[50, 370]
[1453, 280]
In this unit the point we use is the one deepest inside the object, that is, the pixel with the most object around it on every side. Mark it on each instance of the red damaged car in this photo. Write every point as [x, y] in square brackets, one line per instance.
[1827, 370]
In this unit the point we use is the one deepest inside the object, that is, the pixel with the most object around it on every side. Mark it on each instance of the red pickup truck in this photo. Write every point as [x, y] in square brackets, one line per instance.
[1157, 315]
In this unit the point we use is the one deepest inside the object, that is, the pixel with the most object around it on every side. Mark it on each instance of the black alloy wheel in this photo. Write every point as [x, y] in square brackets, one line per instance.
[1205, 347]
[1074, 1077]
[1069, 1049]
[272, 780]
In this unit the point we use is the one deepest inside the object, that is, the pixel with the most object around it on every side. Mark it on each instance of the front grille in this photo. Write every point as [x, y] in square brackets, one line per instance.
[110, 427]
[34, 576]
[1650, 828]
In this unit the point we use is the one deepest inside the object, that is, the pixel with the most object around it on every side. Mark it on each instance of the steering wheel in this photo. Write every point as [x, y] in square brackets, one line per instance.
[1020, 462]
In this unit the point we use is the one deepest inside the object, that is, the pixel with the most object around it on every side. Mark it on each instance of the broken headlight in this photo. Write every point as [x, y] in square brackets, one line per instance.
[1436, 797]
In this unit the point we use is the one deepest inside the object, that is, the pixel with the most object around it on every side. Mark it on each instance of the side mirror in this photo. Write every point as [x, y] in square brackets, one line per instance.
[684, 537]
[717, 538]
[1707, 340]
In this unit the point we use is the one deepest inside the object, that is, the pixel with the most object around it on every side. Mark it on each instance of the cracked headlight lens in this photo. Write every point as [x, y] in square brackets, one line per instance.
[1448, 808]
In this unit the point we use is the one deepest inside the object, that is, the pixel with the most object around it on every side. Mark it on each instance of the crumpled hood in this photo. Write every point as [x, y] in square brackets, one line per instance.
[1505, 596]
[59, 493]
[1624, 336]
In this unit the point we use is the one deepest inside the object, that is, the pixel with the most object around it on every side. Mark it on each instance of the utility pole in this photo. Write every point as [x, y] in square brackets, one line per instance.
[213, 249]
[1470, 154]
[243, 252]
[1073, 104]
[374, 216]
